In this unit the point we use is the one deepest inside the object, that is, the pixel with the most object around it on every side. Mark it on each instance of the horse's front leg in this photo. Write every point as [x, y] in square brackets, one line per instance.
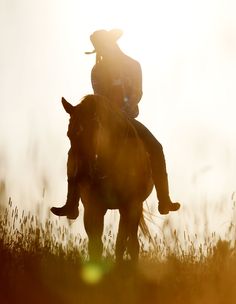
[121, 241]
[93, 224]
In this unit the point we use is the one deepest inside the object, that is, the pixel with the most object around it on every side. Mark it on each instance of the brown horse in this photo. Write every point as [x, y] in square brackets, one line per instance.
[115, 172]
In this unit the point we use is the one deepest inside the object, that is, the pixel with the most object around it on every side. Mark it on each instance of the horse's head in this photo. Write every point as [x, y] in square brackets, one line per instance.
[96, 126]
[81, 127]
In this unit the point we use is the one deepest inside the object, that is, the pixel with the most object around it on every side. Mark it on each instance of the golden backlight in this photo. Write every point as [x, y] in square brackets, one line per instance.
[187, 50]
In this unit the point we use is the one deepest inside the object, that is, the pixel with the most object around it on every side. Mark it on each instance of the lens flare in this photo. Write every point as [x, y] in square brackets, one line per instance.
[92, 273]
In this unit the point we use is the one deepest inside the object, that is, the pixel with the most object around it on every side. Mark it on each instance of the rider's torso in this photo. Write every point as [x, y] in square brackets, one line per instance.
[116, 80]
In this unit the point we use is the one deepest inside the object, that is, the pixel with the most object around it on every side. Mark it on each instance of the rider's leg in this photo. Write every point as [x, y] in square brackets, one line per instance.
[158, 164]
[70, 209]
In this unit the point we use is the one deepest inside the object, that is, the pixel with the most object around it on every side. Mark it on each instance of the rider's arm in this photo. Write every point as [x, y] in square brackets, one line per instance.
[98, 81]
[136, 91]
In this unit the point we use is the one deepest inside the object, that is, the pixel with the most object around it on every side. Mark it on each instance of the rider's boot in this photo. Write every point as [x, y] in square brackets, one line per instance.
[160, 179]
[70, 209]
[165, 204]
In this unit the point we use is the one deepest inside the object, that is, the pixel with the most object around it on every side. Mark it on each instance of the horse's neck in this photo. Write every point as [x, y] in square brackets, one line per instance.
[111, 135]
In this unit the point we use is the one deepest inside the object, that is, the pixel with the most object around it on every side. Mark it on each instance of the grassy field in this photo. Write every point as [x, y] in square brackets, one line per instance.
[45, 263]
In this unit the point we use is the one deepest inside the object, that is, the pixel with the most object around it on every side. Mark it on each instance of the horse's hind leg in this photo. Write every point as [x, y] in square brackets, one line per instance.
[128, 233]
[93, 224]
[133, 223]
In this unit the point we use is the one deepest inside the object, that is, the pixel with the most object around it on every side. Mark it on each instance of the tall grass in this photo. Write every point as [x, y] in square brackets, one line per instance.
[43, 262]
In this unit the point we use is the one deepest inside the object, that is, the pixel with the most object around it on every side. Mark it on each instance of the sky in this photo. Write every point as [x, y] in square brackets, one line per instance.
[187, 50]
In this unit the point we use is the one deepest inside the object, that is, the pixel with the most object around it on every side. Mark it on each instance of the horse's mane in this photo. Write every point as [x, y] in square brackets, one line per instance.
[108, 114]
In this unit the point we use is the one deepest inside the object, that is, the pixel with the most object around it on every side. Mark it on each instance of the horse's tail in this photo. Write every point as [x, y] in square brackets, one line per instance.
[145, 230]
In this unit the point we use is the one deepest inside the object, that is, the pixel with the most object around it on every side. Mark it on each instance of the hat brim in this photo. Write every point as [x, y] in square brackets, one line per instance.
[102, 35]
[115, 34]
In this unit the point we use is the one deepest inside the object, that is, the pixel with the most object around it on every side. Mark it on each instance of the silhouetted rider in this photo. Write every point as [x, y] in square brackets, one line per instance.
[116, 75]
[119, 78]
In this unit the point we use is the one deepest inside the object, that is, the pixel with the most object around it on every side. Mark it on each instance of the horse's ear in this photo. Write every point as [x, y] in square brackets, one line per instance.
[67, 106]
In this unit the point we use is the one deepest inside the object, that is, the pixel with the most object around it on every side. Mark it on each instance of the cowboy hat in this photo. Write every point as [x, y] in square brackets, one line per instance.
[104, 36]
